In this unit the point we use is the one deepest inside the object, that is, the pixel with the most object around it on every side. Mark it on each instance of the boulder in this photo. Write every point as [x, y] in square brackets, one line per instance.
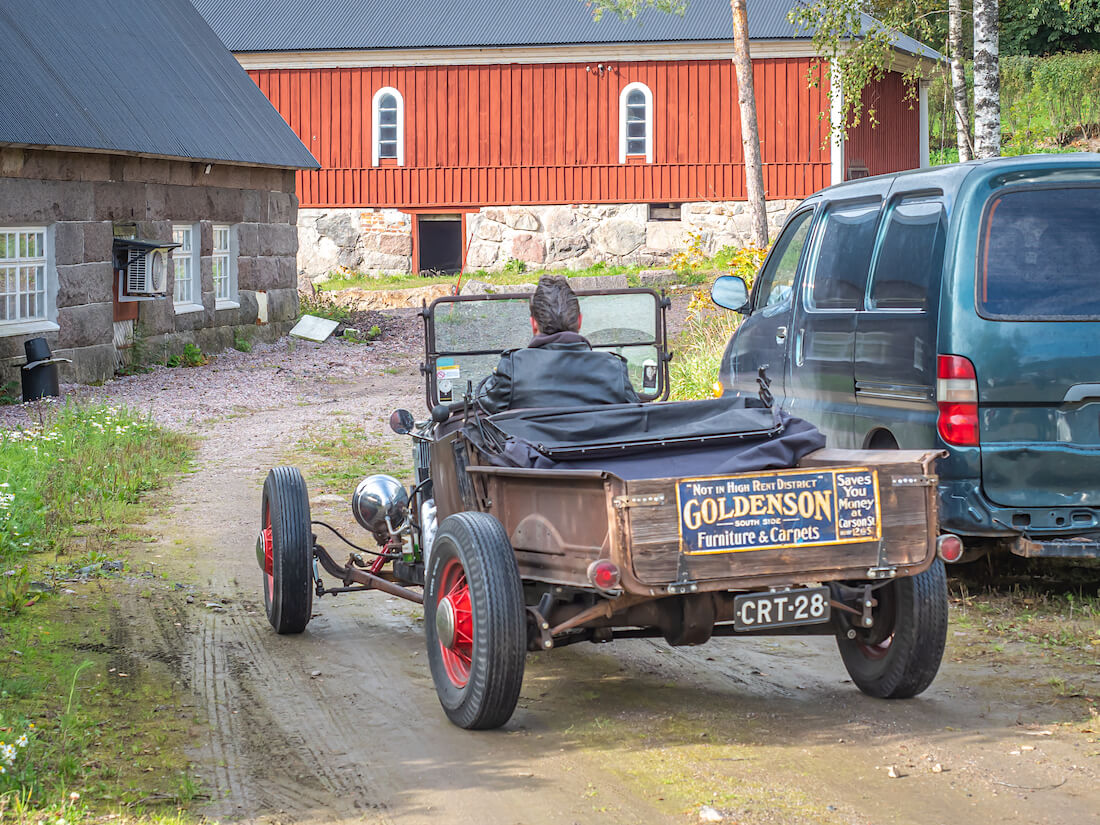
[618, 237]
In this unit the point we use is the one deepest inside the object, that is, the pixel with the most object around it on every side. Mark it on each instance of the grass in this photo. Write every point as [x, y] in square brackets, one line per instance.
[82, 739]
[336, 459]
[514, 275]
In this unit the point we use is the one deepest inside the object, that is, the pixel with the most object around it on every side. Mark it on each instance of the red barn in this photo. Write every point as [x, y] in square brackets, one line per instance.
[454, 134]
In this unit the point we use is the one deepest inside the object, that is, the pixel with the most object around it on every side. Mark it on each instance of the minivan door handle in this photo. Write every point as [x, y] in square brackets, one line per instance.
[780, 335]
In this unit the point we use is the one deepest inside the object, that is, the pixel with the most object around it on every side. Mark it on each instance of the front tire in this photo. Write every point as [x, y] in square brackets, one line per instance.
[475, 621]
[900, 656]
[287, 549]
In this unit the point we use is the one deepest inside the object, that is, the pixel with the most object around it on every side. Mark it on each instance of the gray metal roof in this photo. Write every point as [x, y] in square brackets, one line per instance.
[321, 25]
[133, 76]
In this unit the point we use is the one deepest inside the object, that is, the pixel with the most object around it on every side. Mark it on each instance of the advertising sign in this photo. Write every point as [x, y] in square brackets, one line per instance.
[797, 508]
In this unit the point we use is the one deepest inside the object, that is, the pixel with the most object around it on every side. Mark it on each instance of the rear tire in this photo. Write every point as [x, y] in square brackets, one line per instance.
[288, 550]
[900, 656]
[475, 620]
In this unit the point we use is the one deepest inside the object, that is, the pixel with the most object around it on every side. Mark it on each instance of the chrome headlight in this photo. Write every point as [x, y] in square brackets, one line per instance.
[377, 497]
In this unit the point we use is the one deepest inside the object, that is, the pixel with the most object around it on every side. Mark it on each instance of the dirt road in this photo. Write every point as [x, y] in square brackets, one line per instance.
[341, 724]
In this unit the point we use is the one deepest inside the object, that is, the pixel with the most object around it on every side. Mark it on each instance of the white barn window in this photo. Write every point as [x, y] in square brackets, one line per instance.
[388, 126]
[185, 263]
[636, 122]
[224, 265]
[23, 273]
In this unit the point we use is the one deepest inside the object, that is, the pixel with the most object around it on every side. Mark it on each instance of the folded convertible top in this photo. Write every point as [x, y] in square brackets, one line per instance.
[621, 429]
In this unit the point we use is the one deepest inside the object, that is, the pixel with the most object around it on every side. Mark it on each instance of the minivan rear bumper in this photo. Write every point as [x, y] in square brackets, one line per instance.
[966, 511]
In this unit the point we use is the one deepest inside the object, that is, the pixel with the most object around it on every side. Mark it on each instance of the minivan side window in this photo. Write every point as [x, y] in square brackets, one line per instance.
[777, 279]
[910, 255]
[844, 256]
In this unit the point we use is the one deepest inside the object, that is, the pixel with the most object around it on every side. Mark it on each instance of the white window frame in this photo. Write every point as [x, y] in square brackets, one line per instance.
[225, 286]
[376, 126]
[623, 95]
[45, 293]
[187, 259]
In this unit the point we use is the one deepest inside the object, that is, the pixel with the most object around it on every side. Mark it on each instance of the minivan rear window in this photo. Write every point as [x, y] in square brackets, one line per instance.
[1040, 256]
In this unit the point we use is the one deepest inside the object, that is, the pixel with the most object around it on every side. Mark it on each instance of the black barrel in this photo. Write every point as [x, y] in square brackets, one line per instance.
[40, 377]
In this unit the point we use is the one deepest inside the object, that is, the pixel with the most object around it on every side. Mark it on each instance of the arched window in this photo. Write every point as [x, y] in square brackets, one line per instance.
[636, 122]
[388, 118]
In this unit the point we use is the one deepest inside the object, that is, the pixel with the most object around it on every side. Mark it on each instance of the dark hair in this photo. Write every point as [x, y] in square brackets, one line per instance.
[554, 306]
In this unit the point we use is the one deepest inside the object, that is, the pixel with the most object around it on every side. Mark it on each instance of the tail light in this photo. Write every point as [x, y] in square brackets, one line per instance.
[957, 399]
[949, 547]
[604, 575]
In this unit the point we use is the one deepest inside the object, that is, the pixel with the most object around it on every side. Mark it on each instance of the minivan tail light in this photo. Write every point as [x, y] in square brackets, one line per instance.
[957, 399]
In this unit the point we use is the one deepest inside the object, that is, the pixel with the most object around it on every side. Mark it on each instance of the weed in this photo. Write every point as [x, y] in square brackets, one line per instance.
[322, 307]
[354, 336]
[689, 262]
[694, 371]
[15, 590]
[10, 393]
[193, 356]
[515, 266]
[242, 341]
[337, 460]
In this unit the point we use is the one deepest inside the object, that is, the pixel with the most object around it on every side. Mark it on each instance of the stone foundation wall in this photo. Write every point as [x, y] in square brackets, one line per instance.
[567, 237]
[79, 198]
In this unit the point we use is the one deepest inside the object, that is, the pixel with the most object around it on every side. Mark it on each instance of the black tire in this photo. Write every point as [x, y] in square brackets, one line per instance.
[477, 649]
[900, 656]
[288, 584]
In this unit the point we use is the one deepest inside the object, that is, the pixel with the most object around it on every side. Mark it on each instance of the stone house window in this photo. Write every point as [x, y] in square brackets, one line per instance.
[636, 123]
[224, 265]
[24, 278]
[387, 127]
[185, 263]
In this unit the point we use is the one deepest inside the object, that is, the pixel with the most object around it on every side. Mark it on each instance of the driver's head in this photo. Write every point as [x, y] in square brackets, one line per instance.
[554, 307]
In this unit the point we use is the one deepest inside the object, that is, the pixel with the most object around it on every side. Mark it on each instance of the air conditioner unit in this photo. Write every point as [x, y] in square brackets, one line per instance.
[142, 268]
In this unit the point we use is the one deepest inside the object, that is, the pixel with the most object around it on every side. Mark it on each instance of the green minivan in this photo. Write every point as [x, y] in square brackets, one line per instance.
[954, 307]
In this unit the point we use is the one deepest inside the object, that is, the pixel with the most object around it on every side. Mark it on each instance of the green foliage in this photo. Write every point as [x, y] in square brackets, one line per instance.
[11, 392]
[362, 280]
[515, 266]
[629, 9]
[693, 373]
[193, 356]
[322, 307]
[242, 341]
[354, 336]
[1042, 27]
[47, 491]
[690, 261]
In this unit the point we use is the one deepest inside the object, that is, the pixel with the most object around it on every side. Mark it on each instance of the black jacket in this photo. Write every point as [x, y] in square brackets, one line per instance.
[559, 370]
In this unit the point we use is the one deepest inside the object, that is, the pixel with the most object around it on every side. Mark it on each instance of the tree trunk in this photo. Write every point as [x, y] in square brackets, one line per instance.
[750, 131]
[958, 81]
[987, 80]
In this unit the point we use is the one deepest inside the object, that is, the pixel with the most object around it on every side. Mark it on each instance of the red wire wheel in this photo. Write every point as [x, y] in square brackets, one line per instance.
[284, 550]
[475, 621]
[454, 623]
[900, 654]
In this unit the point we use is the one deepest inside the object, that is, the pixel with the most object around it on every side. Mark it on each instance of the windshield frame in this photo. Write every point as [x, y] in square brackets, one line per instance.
[659, 342]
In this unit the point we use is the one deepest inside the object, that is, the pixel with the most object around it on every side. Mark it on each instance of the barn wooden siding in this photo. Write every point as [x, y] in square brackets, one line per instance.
[549, 133]
[894, 144]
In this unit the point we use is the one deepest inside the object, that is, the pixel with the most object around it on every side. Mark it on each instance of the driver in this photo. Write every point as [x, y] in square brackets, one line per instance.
[559, 367]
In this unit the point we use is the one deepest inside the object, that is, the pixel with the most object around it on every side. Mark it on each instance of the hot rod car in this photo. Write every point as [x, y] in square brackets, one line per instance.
[528, 530]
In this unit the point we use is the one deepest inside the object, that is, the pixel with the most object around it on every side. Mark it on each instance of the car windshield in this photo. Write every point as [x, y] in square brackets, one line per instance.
[466, 337]
[1040, 254]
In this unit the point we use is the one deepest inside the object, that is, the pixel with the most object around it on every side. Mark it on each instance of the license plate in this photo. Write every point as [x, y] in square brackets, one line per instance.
[787, 608]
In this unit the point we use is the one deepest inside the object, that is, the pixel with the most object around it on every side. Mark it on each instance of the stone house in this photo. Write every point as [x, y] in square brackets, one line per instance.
[128, 119]
[466, 134]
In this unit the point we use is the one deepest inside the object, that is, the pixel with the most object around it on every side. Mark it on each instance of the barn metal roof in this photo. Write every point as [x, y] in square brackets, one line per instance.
[133, 76]
[322, 25]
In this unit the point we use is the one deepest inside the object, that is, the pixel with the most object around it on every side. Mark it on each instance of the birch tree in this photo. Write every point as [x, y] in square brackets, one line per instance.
[959, 92]
[746, 97]
[987, 80]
